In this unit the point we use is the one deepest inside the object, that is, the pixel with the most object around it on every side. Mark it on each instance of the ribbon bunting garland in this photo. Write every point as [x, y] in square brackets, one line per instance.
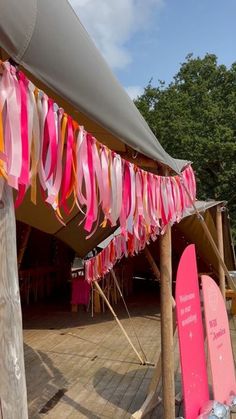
[39, 138]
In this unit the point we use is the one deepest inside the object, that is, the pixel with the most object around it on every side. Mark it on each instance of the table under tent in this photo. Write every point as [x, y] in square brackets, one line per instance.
[80, 159]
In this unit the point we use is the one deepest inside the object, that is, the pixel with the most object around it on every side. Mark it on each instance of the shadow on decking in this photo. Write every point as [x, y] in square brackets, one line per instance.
[126, 391]
[70, 362]
[41, 368]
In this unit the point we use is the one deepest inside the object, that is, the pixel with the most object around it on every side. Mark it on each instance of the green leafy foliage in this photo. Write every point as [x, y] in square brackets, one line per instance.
[194, 118]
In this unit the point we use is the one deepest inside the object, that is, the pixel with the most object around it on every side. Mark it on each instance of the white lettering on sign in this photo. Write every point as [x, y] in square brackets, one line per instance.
[185, 310]
[187, 297]
[189, 319]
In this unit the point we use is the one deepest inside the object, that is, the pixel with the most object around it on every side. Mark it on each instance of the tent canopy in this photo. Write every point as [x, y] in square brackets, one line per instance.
[43, 218]
[47, 39]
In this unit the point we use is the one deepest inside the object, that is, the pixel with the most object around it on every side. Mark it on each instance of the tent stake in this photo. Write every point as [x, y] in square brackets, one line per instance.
[220, 247]
[12, 382]
[167, 343]
[118, 321]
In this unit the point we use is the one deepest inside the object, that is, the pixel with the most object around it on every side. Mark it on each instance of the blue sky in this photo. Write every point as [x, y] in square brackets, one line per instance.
[144, 39]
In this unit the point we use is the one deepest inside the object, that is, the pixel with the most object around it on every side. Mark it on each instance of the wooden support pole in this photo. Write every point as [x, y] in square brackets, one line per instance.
[92, 308]
[167, 343]
[118, 321]
[217, 253]
[155, 269]
[154, 388]
[220, 247]
[23, 245]
[13, 398]
[211, 241]
[152, 263]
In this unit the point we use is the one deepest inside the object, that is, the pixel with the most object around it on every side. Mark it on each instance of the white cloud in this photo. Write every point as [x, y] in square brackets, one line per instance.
[134, 91]
[112, 23]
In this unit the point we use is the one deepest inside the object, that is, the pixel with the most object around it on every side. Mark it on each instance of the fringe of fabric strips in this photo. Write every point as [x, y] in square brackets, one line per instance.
[39, 140]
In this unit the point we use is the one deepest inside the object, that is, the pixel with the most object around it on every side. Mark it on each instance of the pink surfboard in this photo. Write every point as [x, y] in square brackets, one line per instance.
[191, 337]
[219, 343]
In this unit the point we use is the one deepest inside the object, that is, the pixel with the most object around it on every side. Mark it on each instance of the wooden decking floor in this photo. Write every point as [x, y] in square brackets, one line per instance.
[79, 367]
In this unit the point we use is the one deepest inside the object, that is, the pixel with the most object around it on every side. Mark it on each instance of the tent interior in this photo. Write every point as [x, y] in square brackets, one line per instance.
[47, 264]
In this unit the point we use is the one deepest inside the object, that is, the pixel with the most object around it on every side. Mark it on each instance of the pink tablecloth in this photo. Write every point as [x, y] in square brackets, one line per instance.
[80, 291]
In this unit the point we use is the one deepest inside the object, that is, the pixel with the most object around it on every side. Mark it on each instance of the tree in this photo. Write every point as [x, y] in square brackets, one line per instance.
[194, 118]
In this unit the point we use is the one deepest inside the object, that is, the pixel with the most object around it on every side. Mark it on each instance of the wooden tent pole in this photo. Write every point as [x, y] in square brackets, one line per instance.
[220, 247]
[154, 388]
[211, 240]
[118, 321]
[12, 380]
[216, 251]
[23, 245]
[92, 300]
[155, 269]
[167, 343]
[152, 263]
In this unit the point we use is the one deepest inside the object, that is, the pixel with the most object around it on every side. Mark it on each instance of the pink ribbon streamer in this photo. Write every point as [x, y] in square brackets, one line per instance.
[99, 179]
[68, 166]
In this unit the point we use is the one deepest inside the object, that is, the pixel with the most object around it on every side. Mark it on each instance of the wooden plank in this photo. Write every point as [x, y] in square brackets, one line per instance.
[12, 382]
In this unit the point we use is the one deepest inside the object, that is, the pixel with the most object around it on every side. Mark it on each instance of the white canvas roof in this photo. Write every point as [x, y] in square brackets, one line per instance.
[47, 39]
